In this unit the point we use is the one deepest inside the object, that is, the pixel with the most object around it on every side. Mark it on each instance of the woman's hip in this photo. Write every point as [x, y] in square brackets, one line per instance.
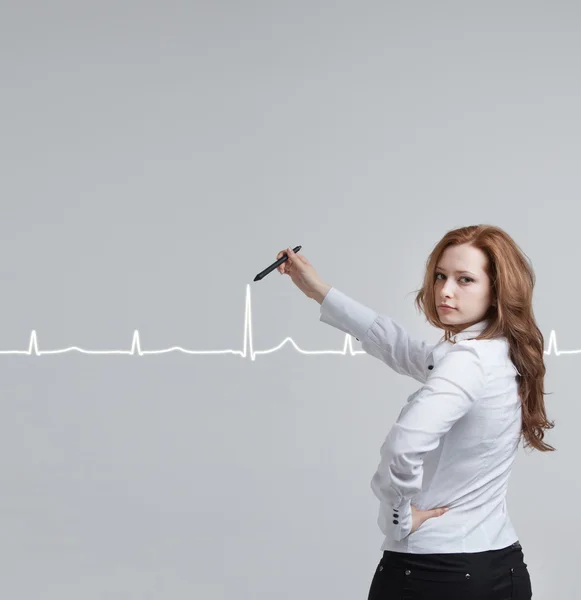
[489, 575]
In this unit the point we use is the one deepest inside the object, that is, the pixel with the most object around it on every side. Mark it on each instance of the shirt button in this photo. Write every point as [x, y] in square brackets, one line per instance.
[395, 522]
[467, 575]
[430, 367]
[408, 572]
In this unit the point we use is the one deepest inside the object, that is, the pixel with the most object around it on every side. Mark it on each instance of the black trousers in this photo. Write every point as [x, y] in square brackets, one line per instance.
[491, 575]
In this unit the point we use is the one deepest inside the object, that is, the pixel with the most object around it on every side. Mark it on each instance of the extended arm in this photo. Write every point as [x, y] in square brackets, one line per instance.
[380, 335]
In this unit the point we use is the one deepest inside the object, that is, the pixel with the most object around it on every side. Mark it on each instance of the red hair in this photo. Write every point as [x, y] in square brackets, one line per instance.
[512, 279]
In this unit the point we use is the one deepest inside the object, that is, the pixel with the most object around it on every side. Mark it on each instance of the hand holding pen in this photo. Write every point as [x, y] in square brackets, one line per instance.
[303, 275]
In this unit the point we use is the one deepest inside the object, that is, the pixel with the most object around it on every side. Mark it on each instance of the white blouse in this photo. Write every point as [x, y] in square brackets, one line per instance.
[454, 441]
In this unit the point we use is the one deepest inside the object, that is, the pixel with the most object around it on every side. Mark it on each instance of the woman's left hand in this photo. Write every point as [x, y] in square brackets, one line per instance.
[419, 516]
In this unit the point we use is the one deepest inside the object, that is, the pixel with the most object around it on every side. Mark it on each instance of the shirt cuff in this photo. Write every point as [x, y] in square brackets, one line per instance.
[346, 314]
[402, 520]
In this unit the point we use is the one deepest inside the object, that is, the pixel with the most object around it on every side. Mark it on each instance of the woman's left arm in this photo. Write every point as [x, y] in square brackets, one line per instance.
[447, 395]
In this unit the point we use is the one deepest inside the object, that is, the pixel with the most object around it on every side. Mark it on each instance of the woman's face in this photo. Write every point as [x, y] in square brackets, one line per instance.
[461, 282]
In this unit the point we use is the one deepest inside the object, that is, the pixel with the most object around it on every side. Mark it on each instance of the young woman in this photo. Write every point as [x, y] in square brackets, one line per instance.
[445, 464]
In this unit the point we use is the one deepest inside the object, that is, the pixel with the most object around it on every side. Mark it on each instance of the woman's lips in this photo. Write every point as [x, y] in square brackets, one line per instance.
[446, 307]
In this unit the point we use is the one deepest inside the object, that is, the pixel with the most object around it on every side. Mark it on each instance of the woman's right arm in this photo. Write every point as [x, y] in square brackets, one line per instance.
[380, 335]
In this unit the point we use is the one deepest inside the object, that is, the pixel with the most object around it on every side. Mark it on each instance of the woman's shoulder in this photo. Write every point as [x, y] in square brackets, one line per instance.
[494, 353]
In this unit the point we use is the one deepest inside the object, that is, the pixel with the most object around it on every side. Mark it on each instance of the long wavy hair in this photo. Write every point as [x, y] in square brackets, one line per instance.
[510, 315]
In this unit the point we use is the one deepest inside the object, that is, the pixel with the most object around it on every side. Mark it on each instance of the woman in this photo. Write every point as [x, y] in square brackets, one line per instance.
[445, 464]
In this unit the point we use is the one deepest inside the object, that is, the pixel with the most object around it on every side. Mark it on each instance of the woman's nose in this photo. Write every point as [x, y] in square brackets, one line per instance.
[448, 289]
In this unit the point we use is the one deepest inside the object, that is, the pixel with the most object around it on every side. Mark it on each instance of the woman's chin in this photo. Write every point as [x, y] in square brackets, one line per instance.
[448, 316]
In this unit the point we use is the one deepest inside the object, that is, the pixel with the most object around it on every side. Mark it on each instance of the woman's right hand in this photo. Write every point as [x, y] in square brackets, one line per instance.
[303, 275]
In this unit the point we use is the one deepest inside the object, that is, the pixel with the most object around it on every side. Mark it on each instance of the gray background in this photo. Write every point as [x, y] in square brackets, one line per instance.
[155, 157]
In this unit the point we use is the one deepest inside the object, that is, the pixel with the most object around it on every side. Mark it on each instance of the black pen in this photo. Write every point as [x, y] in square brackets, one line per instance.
[273, 266]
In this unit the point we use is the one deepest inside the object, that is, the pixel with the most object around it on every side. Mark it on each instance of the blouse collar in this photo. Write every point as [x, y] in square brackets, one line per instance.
[470, 332]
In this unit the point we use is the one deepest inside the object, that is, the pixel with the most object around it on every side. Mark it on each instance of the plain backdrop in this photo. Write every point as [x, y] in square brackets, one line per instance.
[155, 157]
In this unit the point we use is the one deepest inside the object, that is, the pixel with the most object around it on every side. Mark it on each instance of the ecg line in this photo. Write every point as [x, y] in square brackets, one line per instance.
[246, 351]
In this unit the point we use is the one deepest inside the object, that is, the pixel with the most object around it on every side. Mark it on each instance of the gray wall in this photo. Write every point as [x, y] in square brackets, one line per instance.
[155, 157]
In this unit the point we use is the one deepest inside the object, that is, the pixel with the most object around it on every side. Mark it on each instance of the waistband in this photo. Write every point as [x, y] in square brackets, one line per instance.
[488, 560]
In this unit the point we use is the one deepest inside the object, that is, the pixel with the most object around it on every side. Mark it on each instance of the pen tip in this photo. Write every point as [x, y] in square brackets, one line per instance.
[257, 278]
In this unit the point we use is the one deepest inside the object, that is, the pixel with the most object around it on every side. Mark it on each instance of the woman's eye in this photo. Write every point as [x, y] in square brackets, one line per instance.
[465, 277]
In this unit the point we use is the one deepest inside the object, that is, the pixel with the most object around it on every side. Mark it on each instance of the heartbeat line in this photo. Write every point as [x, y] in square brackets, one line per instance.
[246, 351]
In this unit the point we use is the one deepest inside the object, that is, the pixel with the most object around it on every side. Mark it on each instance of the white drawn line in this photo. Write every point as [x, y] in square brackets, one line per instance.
[247, 347]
